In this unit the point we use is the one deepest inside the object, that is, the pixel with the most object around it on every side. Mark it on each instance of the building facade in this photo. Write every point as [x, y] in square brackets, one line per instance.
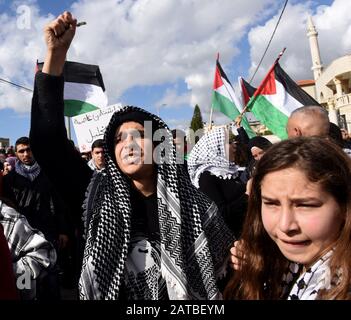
[332, 84]
[4, 143]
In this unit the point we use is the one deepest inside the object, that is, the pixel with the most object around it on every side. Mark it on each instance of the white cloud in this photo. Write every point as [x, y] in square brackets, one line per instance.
[200, 85]
[173, 99]
[21, 44]
[291, 33]
[148, 42]
[136, 42]
[182, 124]
[332, 23]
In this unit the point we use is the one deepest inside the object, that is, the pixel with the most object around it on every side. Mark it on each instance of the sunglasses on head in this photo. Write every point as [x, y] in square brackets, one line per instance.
[24, 150]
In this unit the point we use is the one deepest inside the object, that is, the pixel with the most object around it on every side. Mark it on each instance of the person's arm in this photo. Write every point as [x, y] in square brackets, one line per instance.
[243, 137]
[6, 188]
[31, 253]
[58, 37]
[55, 154]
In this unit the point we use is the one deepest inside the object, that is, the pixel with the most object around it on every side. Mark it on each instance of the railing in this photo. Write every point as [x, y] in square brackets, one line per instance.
[342, 101]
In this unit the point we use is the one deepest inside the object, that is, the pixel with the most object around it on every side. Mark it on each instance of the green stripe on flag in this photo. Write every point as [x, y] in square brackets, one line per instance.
[226, 106]
[76, 107]
[273, 119]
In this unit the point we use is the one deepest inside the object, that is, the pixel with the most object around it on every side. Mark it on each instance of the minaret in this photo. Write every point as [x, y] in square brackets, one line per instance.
[316, 57]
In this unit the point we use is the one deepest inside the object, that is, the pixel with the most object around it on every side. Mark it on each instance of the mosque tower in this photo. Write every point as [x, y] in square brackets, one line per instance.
[317, 69]
[315, 54]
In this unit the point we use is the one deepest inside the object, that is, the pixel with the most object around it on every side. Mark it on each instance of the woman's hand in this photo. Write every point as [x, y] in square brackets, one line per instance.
[236, 255]
[58, 37]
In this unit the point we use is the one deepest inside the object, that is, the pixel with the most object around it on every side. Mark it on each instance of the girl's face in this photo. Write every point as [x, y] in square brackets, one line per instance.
[301, 218]
[257, 153]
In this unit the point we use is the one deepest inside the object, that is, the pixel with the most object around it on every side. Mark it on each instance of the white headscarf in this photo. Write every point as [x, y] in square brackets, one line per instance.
[209, 155]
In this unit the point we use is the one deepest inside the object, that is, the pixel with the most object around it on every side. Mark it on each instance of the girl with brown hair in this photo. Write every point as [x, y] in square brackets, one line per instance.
[297, 233]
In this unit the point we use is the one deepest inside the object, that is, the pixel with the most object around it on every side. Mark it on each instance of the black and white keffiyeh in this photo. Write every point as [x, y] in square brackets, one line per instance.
[194, 241]
[307, 285]
[30, 251]
[209, 154]
[29, 172]
[347, 151]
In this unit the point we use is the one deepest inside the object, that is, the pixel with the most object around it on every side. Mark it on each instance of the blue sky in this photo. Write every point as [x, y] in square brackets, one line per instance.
[161, 54]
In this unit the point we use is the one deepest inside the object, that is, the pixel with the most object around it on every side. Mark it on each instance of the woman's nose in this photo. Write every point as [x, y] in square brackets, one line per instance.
[287, 221]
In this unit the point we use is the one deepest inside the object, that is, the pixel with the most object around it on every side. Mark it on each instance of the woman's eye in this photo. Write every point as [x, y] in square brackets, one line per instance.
[269, 203]
[308, 205]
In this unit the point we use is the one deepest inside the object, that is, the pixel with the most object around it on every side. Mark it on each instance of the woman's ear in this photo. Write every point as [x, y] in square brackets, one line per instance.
[298, 132]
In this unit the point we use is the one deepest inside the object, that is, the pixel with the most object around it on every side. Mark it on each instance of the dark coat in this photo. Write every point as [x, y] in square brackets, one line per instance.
[229, 196]
[71, 175]
[38, 202]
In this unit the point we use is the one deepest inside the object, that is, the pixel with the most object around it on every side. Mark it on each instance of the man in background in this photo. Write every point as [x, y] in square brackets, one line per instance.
[97, 161]
[33, 195]
[308, 121]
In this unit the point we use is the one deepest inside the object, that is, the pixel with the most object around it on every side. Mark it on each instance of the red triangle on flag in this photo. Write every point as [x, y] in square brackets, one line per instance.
[218, 82]
[268, 85]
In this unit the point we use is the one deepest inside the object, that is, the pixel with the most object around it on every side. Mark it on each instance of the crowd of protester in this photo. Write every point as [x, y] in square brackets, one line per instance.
[148, 216]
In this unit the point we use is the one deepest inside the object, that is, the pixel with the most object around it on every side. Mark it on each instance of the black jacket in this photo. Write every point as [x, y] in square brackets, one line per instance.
[230, 198]
[62, 163]
[38, 202]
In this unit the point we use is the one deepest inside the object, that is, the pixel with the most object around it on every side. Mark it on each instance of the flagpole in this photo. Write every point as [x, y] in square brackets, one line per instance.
[211, 113]
[68, 127]
[275, 62]
[280, 55]
[68, 119]
[68, 122]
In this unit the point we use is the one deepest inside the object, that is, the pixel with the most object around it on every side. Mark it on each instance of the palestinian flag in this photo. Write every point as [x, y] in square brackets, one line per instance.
[276, 97]
[84, 89]
[224, 99]
[247, 90]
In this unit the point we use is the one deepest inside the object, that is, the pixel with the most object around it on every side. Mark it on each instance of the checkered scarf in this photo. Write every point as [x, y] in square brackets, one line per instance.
[30, 172]
[209, 155]
[308, 284]
[194, 241]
